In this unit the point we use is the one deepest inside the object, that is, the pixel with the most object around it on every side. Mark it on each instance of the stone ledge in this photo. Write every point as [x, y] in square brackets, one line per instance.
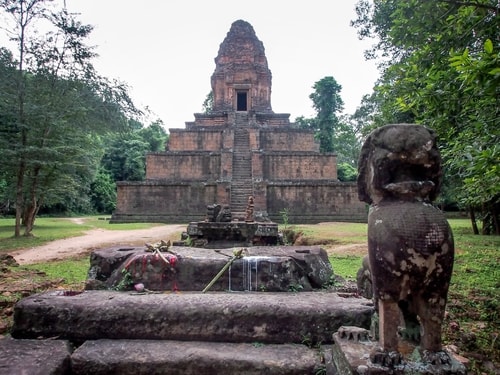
[135, 357]
[218, 317]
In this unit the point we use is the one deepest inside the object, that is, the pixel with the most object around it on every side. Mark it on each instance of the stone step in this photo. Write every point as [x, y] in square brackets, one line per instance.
[214, 317]
[135, 357]
[34, 357]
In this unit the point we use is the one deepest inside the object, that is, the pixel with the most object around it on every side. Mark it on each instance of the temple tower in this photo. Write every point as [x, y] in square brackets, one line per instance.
[242, 79]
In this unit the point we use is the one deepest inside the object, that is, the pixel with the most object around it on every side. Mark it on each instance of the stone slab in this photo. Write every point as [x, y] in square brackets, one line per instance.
[136, 357]
[351, 356]
[262, 268]
[219, 317]
[34, 357]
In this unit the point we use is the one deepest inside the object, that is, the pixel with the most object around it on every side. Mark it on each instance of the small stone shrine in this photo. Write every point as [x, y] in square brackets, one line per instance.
[410, 258]
[240, 148]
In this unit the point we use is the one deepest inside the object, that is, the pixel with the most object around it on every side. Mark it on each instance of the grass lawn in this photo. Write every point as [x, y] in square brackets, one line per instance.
[50, 228]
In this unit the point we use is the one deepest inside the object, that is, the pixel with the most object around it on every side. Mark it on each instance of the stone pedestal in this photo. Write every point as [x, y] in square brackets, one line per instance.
[351, 355]
[261, 268]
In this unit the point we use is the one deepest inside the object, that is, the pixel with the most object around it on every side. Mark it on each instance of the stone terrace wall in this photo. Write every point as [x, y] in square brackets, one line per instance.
[299, 166]
[196, 139]
[183, 166]
[160, 201]
[287, 140]
[272, 119]
[314, 202]
[307, 201]
[218, 118]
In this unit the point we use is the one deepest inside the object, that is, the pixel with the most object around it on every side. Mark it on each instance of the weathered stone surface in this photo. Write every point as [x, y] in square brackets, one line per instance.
[351, 356]
[135, 357]
[364, 279]
[233, 233]
[34, 357]
[218, 317]
[410, 244]
[263, 268]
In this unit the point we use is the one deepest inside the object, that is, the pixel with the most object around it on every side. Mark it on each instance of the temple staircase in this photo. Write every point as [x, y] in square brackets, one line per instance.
[241, 185]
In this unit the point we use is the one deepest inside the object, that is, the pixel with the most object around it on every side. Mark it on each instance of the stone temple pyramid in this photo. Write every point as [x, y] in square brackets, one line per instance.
[240, 148]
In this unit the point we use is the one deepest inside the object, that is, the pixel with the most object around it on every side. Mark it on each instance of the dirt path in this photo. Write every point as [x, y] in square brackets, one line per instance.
[95, 238]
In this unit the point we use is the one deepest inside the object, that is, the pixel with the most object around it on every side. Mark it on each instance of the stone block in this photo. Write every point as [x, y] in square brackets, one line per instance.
[135, 357]
[262, 268]
[34, 357]
[218, 317]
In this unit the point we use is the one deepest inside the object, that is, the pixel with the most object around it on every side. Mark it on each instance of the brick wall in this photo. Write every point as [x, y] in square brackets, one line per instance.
[157, 201]
[183, 166]
[306, 201]
[315, 202]
[287, 140]
[194, 140]
[296, 166]
[272, 119]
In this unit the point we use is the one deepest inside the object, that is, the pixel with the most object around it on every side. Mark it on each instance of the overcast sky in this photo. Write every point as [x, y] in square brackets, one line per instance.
[165, 49]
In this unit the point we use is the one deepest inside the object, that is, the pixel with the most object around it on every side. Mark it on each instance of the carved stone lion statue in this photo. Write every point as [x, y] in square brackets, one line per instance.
[410, 243]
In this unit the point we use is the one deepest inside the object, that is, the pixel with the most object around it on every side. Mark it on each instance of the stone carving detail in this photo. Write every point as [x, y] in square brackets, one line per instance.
[410, 243]
[224, 215]
[218, 214]
[212, 212]
[249, 210]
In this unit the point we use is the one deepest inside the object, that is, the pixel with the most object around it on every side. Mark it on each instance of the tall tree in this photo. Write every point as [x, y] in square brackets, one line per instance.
[440, 67]
[334, 132]
[328, 103]
[60, 104]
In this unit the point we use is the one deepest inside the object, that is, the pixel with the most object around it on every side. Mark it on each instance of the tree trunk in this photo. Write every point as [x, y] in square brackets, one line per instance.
[475, 229]
[496, 224]
[19, 196]
[32, 208]
[30, 218]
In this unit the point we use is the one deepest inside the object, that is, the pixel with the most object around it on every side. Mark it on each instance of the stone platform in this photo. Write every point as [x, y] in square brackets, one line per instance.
[261, 268]
[233, 233]
[351, 356]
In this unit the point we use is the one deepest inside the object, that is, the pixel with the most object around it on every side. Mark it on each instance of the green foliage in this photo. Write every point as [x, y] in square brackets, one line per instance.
[285, 217]
[125, 155]
[335, 134]
[327, 103]
[103, 192]
[440, 67]
[208, 103]
[54, 105]
[125, 282]
[346, 172]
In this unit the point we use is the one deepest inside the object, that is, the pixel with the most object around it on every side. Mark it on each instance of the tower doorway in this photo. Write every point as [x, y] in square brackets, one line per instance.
[242, 101]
